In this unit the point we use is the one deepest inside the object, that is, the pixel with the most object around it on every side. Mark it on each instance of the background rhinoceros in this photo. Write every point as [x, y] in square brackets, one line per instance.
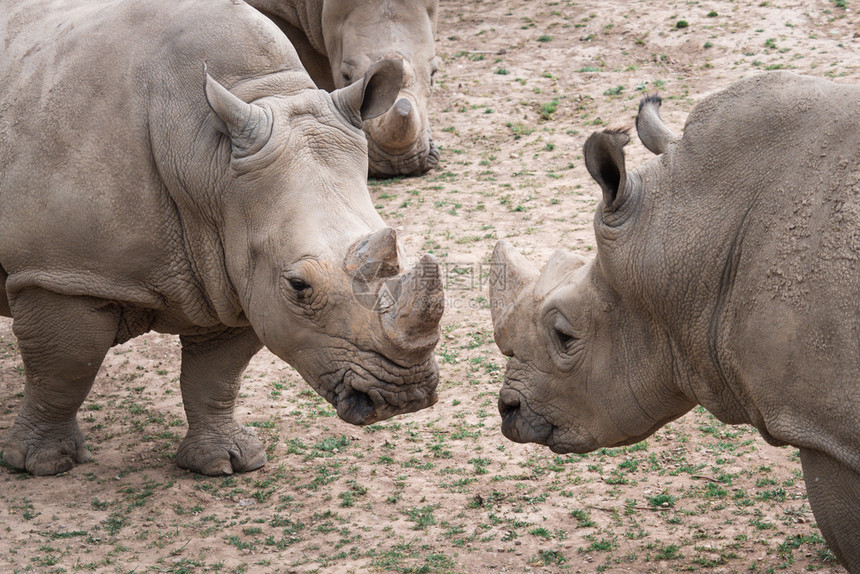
[727, 275]
[137, 194]
[338, 40]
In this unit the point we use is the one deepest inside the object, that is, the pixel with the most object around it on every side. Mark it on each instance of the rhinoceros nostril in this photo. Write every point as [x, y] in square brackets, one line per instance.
[509, 404]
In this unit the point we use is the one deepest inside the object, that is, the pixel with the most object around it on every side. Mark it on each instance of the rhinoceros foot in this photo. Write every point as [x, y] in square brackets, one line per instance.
[46, 452]
[216, 451]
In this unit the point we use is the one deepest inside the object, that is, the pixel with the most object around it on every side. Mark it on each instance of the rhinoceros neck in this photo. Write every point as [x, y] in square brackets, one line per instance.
[306, 15]
[673, 259]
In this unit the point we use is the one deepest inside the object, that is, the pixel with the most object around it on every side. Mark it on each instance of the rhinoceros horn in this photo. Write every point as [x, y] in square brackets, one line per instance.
[653, 133]
[411, 315]
[558, 270]
[375, 253]
[410, 304]
[400, 127]
[510, 273]
[373, 95]
[249, 126]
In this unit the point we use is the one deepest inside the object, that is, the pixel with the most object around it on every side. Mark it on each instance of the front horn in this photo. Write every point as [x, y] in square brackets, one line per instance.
[412, 305]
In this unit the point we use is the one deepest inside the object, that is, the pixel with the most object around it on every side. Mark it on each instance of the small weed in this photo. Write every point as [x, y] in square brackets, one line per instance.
[422, 517]
[551, 557]
[548, 109]
[661, 500]
[583, 518]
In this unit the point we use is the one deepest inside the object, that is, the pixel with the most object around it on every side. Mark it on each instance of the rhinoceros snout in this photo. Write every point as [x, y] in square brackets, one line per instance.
[509, 410]
[420, 158]
[519, 422]
[364, 399]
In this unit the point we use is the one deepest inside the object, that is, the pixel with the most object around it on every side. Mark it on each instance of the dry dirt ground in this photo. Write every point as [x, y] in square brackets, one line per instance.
[521, 85]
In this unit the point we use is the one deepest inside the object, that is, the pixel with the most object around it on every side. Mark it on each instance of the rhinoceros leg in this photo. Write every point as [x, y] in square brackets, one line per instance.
[212, 367]
[63, 341]
[834, 494]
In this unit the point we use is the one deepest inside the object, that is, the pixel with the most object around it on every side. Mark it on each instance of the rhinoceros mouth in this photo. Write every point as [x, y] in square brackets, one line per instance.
[364, 396]
[416, 160]
[356, 407]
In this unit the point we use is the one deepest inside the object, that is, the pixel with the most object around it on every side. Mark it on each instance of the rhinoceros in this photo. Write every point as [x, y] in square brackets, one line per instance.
[727, 274]
[338, 40]
[229, 206]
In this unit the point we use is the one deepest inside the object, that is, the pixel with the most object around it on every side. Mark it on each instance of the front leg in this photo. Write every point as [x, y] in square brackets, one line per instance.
[63, 341]
[834, 494]
[212, 367]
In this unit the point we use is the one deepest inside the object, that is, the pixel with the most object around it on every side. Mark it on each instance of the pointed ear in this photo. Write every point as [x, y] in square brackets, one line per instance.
[652, 132]
[249, 126]
[373, 95]
[604, 159]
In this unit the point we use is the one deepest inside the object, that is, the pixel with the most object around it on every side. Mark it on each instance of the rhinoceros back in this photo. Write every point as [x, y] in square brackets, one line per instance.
[104, 145]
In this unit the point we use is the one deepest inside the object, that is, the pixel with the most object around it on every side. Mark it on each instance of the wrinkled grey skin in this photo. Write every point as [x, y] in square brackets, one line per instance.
[727, 275]
[139, 193]
[338, 40]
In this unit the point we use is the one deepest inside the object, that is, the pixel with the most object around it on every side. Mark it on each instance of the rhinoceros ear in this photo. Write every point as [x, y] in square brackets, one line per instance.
[653, 133]
[604, 159]
[249, 126]
[373, 95]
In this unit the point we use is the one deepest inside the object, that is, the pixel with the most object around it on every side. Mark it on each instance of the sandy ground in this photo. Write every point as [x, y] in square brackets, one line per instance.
[522, 83]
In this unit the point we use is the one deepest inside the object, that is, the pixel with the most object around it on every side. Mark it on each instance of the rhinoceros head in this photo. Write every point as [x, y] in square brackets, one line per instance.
[359, 33]
[589, 365]
[316, 272]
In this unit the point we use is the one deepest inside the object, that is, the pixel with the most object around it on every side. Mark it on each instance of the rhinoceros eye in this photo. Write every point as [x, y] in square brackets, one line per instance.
[347, 72]
[562, 333]
[301, 287]
[298, 284]
[564, 339]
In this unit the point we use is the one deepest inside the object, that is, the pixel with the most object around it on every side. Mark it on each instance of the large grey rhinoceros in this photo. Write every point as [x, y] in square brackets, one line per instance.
[138, 193]
[727, 274]
[338, 40]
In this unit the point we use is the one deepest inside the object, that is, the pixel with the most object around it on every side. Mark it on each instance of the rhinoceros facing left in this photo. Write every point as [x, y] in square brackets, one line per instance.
[137, 194]
[727, 274]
